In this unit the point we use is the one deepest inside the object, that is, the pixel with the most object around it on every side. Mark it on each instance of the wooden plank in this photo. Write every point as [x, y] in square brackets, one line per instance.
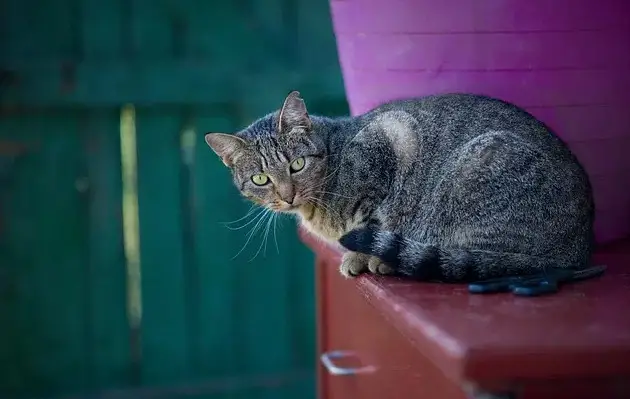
[300, 294]
[109, 329]
[215, 203]
[45, 345]
[268, 386]
[150, 29]
[127, 51]
[47, 30]
[314, 28]
[165, 356]
[102, 30]
[189, 243]
[114, 82]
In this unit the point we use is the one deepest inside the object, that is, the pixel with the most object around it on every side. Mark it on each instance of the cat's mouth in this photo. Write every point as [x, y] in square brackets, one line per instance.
[282, 206]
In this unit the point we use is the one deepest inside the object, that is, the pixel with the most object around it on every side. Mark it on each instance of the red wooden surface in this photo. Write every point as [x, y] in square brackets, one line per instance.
[351, 323]
[575, 341]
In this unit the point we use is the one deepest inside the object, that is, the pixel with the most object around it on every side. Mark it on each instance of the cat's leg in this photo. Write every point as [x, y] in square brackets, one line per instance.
[377, 266]
[353, 264]
[382, 219]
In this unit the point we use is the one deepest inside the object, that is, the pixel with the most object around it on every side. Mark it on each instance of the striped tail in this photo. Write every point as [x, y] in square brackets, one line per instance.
[431, 262]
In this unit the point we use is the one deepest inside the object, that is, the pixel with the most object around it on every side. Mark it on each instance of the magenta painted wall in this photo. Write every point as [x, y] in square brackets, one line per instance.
[565, 61]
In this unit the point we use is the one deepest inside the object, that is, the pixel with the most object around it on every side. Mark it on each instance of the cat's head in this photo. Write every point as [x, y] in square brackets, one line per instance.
[279, 161]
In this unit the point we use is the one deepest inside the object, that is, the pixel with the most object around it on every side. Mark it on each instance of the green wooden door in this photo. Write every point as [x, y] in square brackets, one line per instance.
[62, 285]
[100, 295]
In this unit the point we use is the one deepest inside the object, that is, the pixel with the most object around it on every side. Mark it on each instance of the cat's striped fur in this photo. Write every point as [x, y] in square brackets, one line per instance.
[452, 187]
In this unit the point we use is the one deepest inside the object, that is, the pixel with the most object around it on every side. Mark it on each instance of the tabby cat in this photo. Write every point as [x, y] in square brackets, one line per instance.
[450, 187]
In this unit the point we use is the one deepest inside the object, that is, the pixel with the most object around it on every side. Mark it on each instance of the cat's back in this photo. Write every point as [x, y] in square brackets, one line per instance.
[461, 104]
[462, 113]
[442, 123]
[430, 135]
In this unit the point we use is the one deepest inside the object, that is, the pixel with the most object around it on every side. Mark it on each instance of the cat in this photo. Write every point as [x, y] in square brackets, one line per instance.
[448, 187]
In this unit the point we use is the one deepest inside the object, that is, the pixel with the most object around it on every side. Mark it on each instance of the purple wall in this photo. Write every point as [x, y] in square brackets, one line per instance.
[565, 61]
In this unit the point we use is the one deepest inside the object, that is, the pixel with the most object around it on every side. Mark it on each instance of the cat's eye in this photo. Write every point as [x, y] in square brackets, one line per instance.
[260, 179]
[297, 164]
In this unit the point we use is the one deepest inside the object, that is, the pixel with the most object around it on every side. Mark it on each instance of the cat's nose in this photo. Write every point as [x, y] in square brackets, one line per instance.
[286, 194]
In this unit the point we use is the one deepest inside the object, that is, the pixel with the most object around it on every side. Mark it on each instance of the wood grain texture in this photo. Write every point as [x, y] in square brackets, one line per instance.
[212, 324]
[350, 323]
[500, 340]
[44, 302]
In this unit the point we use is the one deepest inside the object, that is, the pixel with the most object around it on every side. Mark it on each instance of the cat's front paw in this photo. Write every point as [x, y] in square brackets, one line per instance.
[353, 264]
[377, 266]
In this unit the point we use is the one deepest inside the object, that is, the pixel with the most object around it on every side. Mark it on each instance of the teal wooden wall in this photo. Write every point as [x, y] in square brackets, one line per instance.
[74, 317]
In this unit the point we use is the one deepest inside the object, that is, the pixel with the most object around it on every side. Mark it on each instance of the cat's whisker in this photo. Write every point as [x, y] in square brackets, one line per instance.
[260, 222]
[251, 210]
[252, 220]
[269, 222]
[263, 241]
[275, 237]
[253, 230]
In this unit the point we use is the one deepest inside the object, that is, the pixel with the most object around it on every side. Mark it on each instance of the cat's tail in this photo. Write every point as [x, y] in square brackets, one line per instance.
[430, 262]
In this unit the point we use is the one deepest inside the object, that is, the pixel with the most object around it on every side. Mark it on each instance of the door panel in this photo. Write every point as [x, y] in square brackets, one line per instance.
[392, 366]
[67, 68]
[44, 259]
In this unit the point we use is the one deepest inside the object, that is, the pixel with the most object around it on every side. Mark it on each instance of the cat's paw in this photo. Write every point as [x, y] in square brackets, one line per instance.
[353, 264]
[376, 266]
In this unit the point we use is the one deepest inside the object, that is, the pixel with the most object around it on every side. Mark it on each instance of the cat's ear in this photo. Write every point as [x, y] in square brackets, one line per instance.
[226, 146]
[293, 114]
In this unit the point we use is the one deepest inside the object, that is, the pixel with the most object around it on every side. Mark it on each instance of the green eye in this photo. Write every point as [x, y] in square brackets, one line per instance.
[260, 179]
[297, 164]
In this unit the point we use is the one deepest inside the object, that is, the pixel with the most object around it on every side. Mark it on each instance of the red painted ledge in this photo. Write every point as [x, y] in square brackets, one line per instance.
[582, 331]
